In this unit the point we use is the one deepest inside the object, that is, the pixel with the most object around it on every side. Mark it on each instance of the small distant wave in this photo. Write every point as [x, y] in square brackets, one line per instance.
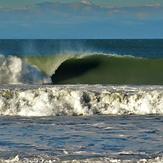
[80, 100]
[14, 70]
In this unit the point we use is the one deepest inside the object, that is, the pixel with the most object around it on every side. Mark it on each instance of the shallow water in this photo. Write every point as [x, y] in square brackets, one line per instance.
[78, 138]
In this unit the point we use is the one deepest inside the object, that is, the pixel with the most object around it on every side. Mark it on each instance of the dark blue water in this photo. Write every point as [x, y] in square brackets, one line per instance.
[141, 48]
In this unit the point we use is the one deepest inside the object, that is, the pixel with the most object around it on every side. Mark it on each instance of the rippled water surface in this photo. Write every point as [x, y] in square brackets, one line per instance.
[77, 138]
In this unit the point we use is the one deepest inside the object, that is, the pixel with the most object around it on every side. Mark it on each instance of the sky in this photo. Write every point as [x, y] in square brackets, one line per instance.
[81, 19]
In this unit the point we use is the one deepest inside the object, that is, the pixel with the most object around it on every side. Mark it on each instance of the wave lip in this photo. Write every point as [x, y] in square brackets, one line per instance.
[80, 100]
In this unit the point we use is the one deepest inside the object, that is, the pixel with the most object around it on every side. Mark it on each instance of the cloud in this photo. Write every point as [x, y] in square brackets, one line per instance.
[153, 5]
[87, 2]
[77, 12]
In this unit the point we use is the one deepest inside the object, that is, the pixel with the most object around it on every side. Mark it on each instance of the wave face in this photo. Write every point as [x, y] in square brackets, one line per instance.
[86, 68]
[100, 69]
[14, 70]
[81, 61]
[80, 100]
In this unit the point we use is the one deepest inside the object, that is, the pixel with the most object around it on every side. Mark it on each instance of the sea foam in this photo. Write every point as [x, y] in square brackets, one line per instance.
[105, 159]
[80, 100]
[15, 70]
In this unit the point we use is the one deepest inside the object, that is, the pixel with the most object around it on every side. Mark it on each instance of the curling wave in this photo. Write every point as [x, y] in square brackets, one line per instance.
[80, 100]
[88, 68]
[100, 69]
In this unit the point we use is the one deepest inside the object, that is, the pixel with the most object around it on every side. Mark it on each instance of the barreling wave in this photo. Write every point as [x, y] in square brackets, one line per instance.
[100, 69]
[87, 68]
[80, 100]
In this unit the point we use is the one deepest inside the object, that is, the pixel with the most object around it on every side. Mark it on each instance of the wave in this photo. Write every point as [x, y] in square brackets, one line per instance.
[14, 70]
[80, 100]
[100, 69]
[87, 68]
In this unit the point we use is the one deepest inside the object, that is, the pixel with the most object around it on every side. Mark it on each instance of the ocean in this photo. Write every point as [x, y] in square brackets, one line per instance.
[81, 101]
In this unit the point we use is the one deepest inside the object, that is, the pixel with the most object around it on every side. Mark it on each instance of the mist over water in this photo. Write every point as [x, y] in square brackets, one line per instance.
[139, 48]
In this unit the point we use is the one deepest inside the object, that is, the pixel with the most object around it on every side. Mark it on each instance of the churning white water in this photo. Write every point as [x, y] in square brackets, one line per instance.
[14, 70]
[80, 100]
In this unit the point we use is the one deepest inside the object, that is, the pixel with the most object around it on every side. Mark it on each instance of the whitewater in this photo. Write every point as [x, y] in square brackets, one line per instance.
[81, 101]
[41, 121]
[14, 70]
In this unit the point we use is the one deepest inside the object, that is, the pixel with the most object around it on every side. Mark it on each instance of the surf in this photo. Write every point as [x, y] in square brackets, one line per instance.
[80, 100]
[86, 68]
[15, 70]
[100, 69]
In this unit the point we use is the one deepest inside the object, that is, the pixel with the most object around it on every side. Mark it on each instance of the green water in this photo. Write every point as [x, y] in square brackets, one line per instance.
[101, 69]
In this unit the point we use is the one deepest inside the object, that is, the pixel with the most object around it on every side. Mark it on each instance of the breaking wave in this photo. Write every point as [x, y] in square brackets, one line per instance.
[80, 100]
[14, 70]
[81, 69]
[100, 69]
[103, 69]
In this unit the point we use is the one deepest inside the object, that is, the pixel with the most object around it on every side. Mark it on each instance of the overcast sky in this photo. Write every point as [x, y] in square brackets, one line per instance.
[81, 19]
